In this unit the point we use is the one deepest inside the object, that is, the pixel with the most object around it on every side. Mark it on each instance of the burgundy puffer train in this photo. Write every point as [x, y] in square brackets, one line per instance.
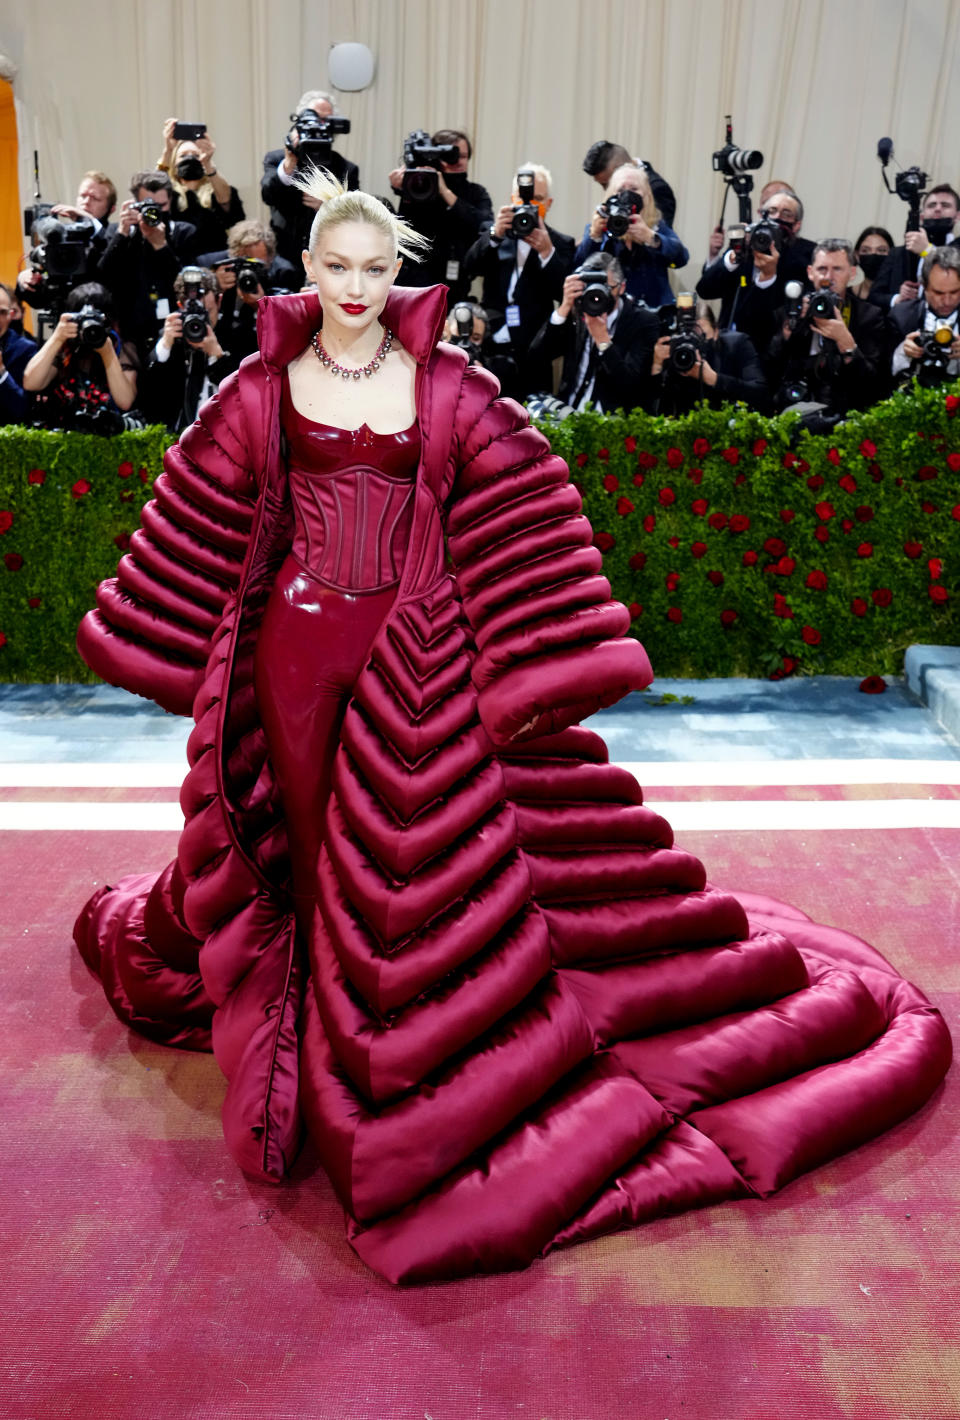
[523, 1018]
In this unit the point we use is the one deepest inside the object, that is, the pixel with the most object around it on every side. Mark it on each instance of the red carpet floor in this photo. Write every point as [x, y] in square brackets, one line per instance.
[143, 1276]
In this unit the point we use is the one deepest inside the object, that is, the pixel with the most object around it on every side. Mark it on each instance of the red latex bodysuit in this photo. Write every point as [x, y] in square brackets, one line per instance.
[352, 496]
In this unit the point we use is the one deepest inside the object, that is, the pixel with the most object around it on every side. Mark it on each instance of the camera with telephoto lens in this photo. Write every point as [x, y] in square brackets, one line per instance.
[619, 209]
[765, 235]
[420, 152]
[192, 310]
[315, 136]
[151, 213]
[686, 338]
[931, 368]
[732, 161]
[526, 215]
[822, 305]
[596, 298]
[60, 255]
[93, 328]
[462, 314]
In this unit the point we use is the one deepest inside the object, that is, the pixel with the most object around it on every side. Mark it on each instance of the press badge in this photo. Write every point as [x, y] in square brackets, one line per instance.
[163, 308]
[513, 317]
[453, 271]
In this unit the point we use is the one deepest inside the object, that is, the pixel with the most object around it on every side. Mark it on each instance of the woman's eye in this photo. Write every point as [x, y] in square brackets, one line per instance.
[377, 270]
[334, 266]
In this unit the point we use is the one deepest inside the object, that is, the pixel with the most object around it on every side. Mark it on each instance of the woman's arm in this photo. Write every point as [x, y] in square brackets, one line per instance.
[42, 368]
[121, 383]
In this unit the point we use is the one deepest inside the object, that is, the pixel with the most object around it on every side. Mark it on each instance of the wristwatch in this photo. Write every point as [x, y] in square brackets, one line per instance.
[494, 239]
[604, 346]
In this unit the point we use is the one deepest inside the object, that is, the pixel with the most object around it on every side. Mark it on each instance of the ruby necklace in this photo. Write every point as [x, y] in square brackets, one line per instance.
[371, 368]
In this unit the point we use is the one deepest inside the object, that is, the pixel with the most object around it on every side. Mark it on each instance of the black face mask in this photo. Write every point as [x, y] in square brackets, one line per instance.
[870, 264]
[938, 229]
[189, 169]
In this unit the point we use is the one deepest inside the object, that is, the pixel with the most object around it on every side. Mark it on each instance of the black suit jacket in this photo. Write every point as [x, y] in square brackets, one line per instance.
[739, 377]
[743, 304]
[840, 384]
[289, 218]
[137, 275]
[451, 230]
[901, 265]
[662, 193]
[622, 377]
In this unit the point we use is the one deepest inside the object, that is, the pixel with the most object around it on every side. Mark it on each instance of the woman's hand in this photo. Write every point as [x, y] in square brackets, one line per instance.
[598, 225]
[639, 234]
[169, 142]
[206, 148]
[65, 329]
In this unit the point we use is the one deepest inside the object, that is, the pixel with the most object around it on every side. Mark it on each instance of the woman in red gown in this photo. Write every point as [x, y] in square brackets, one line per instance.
[414, 909]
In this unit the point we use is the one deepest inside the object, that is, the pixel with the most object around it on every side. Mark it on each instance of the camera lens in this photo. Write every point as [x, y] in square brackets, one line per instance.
[524, 222]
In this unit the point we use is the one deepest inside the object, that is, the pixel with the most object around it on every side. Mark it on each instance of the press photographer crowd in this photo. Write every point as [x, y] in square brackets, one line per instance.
[143, 303]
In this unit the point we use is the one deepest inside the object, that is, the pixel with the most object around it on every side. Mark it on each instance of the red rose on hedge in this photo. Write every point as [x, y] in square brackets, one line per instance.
[81, 488]
[36, 475]
[863, 514]
[952, 403]
[847, 525]
[122, 541]
[938, 593]
[604, 541]
[673, 542]
[749, 558]
[638, 479]
[740, 479]
[695, 475]
[956, 513]
[775, 546]
[674, 458]
[882, 596]
[789, 459]
[700, 447]
[624, 506]
[953, 463]
[788, 667]
[732, 455]
[718, 521]
[759, 449]
[649, 523]
[611, 482]
[781, 607]
[582, 459]
[811, 636]
[833, 455]
[699, 506]
[630, 444]
[637, 562]
[817, 580]
[698, 549]
[865, 549]
[728, 617]
[858, 606]
[3, 639]
[815, 481]
[635, 610]
[603, 454]
[716, 578]
[928, 507]
[935, 567]
[821, 533]
[787, 514]
[802, 466]
[674, 614]
[672, 581]
[34, 601]
[928, 471]
[869, 449]
[125, 469]
[825, 511]
[739, 523]
[913, 549]
[6, 521]
[646, 460]
[667, 496]
[13, 561]
[785, 567]
[848, 483]
[873, 685]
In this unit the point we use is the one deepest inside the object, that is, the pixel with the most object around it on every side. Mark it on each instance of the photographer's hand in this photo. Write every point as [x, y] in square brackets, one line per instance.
[835, 330]
[396, 179]
[290, 145]
[250, 298]
[909, 291]
[598, 225]
[226, 277]
[715, 246]
[572, 288]
[539, 239]
[701, 370]
[503, 220]
[128, 220]
[448, 195]
[42, 367]
[169, 143]
[172, 329]
[765, 264]
[911, 348]
[155, 237]
[639, 234]
[661, 353]
[916, 242]
[210, 345]
[597, 329]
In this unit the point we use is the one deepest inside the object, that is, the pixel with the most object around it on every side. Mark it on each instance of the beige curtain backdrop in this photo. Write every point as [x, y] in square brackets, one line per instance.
[813, 85]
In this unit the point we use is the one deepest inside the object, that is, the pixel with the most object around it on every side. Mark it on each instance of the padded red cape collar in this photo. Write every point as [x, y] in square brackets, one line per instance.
[285, 324]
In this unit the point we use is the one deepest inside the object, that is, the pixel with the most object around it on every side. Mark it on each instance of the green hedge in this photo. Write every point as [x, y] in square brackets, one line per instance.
[741, 546]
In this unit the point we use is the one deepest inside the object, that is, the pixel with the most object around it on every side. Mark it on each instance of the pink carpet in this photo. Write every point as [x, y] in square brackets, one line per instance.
[143, 1276]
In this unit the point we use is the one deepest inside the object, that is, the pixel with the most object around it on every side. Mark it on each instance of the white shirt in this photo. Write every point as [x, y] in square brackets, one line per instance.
[556, 319]
[902, 362]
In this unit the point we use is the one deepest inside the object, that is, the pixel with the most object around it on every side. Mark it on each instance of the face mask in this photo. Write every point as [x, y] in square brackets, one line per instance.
[189, 169]
[870, 263]
[938, 229]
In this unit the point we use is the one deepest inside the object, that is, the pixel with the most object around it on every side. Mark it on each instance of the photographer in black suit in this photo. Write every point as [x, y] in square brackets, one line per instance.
[937, 309]
[606, 356]
[523, 272]
[292, 211]
[833, 351]
[447, 208]
[698, 361]
[188, 361]
[749, 278]
[899, 277]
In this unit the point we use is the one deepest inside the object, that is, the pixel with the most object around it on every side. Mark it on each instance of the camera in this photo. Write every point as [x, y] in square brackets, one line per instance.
[620, 208]
[931, 368]
[420, 152]
[315, 136]
[732, 161]
[92, 327]
[526, 216]
[463, 318]
[151, 213]
[764, 236]
[193, 311]
[251, 274]
[822, 305]
[596, 298]
[909, 184]
[686, 338]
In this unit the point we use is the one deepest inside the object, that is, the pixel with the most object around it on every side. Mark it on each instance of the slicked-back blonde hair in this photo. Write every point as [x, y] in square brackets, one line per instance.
[338, 205]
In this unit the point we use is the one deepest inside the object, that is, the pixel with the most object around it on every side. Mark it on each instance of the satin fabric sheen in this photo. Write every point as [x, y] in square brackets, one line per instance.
[511, 1011]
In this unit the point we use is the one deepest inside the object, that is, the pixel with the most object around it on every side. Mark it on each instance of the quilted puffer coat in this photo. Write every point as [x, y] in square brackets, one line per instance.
[522, 1018]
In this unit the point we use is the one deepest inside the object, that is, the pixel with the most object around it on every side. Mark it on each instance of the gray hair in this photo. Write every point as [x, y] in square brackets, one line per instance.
[316, 96]
[946, 257]
[604, 261]
[833, 244]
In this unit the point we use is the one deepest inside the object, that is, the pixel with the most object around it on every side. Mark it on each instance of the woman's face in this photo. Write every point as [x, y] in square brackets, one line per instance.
[874, 245]
[354, 266]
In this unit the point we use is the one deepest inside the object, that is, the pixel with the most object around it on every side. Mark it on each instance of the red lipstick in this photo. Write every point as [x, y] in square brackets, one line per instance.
[352, 310]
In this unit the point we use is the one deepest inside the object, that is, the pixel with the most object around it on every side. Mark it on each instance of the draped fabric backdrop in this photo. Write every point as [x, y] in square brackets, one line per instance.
[813, 86]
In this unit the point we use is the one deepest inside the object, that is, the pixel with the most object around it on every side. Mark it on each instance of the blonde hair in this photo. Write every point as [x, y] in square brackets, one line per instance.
[247, 233]
[338, 205]
[635, 177]
[204, 192]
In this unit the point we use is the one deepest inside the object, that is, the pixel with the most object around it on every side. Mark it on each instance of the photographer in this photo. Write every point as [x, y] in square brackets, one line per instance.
[831, 351]
[899, 277]
[930, 344]
[439, 201]
[86, 225]
[200, 194]
[468, 326]
[248, 270]
[698, 361]
[188, 361]
[144, 254]
[605, 339]
[750, 277]
[601, 161]
[84, 377]
[628, 225]
[292, 211]
[16, 351]
[523, 263]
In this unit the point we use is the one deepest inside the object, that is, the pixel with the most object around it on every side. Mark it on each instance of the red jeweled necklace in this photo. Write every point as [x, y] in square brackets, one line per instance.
[371, 368]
